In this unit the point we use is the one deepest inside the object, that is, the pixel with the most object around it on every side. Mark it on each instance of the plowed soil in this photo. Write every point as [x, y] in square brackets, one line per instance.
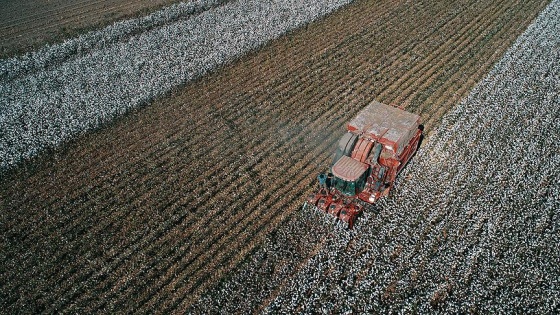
[151, 211]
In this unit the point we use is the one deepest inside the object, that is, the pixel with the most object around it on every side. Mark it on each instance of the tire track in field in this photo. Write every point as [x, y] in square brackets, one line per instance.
[441, 52]
[430, 81]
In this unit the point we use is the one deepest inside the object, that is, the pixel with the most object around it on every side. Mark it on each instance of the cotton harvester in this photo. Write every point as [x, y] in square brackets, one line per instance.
[380, 141]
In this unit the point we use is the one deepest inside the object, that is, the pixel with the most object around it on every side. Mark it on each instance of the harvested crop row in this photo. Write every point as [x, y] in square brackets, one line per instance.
[147, 214]
[28, 25]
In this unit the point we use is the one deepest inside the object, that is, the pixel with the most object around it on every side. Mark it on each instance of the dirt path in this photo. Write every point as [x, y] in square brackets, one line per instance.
[151, 212]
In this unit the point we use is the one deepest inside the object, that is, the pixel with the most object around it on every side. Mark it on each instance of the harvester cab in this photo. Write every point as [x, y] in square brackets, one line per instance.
[380, 141]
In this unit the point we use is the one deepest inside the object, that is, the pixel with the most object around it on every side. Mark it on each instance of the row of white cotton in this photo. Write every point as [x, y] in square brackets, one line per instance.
[474, 227]
[59, 92]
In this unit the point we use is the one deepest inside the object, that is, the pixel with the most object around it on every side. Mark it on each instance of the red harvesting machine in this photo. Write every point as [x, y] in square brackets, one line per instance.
[380, 141]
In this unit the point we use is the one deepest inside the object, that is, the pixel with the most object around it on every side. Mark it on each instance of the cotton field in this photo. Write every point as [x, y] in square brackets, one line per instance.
[192, 203]
[473, 225]
[59, 92]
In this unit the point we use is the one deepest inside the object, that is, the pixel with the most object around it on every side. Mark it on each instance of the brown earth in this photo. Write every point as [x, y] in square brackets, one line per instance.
[28, 25]
[153, 210]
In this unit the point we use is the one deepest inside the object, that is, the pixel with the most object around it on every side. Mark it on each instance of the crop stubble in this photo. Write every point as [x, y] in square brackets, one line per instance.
[31, 24]
[197, 181]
